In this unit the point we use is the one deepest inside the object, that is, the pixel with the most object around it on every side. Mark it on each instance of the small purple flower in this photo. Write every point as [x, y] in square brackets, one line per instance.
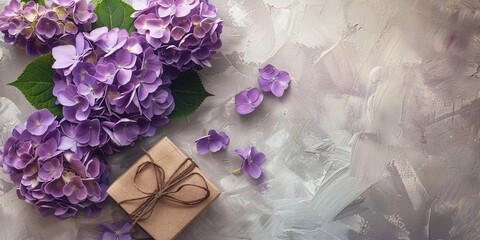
[12, 9]
[91, 89]
[124, 61]
[88, 132]
[50, 170]
[38, 122]
[48, 149]
[274, 80]
[75, 107]
[133, 46]
[148, 83]
[55, 187]
[212, 142]
[252, 160]
[116, 231]
[183, 7]
[75, 190]
[159, 103]
[125, 131]
[112, 41]
[166, 8]
[246, 101]
[106, 73]
[83, 12]
[47, 27]
[68, 56]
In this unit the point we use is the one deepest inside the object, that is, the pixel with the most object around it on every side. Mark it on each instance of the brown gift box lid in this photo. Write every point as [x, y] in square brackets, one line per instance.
[168, 219]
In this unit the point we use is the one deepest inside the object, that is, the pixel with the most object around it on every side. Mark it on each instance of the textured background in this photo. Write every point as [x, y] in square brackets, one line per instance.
[377, 138]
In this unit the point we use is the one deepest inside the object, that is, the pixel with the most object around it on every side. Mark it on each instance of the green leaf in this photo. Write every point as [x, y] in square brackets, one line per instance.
[188, 93]
[95, 2]
[36, 84]
[114, 14]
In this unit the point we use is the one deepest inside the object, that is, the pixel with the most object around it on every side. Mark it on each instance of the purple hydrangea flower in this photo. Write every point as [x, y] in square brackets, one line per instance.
[38, 28]
[116, 231]
[51, 174]
[106, 73]
[185, 33]
[47, 27]
[75, 190]
[68, 56]
[212, 142]
[274, 80]
[88, 132]
[38, 122]
[112, 40]
[252, 159]
[113, 87]
[50, 170]
[248, 100]
[48, 149]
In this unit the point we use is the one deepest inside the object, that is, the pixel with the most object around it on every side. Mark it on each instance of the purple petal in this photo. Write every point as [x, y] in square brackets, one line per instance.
[215, 146]
[64, 56]
[202, 146]
[278, 88]
[258, 158]
[253, 170]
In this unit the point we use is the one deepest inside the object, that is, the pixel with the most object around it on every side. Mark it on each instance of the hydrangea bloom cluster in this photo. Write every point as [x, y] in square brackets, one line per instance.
[112, 88]
[184, 33]
[50, 171]
[38, 28]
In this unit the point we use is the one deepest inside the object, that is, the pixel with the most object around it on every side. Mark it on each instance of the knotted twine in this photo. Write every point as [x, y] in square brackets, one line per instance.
[165, 189]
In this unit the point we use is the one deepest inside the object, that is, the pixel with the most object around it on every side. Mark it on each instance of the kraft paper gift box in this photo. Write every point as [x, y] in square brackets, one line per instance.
[163, 217]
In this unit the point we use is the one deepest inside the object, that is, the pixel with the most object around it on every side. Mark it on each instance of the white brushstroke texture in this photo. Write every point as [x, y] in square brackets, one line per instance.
[377, 137]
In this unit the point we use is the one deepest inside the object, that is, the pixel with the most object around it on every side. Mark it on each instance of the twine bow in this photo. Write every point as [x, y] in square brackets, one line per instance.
[165, 189]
